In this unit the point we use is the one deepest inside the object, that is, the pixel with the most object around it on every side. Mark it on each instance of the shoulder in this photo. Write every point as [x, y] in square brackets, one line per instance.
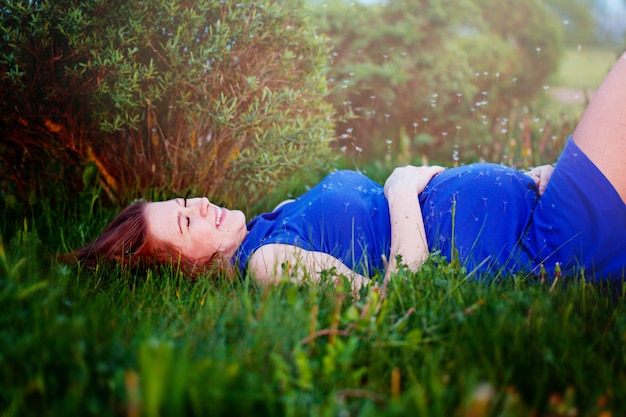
[282, 203]
[271, 261]
[347, 181]
[346, 176]
[263, 261]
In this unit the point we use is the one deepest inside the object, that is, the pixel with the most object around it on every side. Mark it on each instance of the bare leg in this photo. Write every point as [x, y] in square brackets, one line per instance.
[601, 132]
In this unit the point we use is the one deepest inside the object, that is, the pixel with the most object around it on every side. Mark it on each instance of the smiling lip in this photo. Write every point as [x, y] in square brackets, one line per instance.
[220, 213]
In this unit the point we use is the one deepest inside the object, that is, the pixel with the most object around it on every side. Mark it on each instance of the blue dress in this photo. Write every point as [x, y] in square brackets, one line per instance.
[488, 217]
[345, 215]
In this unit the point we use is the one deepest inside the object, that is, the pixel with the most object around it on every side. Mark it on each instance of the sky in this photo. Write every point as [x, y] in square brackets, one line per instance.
[616, 17]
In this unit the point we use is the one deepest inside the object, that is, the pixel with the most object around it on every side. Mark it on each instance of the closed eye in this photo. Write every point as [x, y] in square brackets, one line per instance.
[179, 217]
[188, 220]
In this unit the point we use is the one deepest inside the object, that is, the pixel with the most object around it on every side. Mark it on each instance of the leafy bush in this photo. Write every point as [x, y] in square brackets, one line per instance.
[436, 77]
[182, 97]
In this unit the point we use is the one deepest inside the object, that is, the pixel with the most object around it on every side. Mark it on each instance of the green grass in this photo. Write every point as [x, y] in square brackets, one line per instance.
[110, 342]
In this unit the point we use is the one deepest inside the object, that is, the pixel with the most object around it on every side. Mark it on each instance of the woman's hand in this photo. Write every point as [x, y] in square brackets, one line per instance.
[541, 175]
[408, 237]
[411, 178]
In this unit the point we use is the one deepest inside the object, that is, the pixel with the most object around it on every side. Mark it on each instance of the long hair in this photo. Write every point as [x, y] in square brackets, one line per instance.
[126, 240]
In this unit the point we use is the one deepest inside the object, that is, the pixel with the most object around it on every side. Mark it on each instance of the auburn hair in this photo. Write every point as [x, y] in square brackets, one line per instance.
[126, 240]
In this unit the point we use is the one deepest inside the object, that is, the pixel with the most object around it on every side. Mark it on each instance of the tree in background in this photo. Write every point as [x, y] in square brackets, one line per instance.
[436, 77]
[200, 97]
[578, 18]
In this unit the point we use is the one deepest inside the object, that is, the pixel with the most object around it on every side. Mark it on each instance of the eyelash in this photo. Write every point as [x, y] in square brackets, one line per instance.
[185, 205]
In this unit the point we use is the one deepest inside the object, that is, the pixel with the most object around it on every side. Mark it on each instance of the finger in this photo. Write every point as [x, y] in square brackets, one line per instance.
[543, 184]
[436, 169]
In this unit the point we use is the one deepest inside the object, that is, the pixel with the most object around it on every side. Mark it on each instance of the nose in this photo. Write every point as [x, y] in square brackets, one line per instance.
[199, 205]
[204, 206]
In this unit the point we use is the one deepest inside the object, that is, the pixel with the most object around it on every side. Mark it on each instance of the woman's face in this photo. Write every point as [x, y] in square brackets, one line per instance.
[197, 228]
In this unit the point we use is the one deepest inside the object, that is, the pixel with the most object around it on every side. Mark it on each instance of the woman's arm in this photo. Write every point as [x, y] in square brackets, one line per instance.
[408, 237]
[270, 262]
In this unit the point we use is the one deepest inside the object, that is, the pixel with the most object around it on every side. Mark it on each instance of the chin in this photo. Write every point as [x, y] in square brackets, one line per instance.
[240, 221]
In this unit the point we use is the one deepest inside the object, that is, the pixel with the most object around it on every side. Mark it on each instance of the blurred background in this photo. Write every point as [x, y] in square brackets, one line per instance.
[252, 101]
